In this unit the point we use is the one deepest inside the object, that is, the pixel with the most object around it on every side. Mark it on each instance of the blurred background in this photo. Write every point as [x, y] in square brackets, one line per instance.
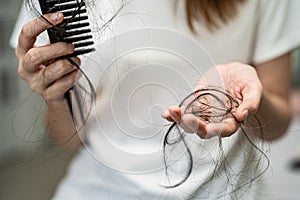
[31, 166]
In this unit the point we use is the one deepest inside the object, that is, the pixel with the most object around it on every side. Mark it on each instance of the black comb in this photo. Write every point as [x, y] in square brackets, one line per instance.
[74, 28]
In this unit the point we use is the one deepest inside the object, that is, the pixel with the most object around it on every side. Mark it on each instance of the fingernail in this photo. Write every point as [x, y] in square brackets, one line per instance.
[71, 47]
[164, 114]
[176, 117]
[78, 76]
[54, 17]
[74, 67]
[245, 114]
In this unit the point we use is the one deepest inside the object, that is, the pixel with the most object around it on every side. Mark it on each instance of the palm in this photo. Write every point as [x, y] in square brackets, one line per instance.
[242, 84]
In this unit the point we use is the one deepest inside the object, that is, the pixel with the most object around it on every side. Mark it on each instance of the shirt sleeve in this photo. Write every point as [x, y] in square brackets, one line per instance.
[278, 29]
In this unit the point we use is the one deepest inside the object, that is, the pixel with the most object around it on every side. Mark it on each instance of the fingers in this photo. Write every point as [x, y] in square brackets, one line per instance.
[173, 114]
[57, 90]
[224, 129]
[50, 81]
[167, 116]
[60, 74]
[59, 69]
[39, 55]
[191, 124]
[251, 98]
[35, 27]
[188, 122]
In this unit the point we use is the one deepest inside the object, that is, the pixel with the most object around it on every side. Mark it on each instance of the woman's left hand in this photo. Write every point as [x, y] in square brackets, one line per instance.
[242, 83]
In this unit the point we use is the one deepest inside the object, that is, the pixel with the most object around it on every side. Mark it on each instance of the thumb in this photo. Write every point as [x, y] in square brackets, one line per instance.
[251, 98]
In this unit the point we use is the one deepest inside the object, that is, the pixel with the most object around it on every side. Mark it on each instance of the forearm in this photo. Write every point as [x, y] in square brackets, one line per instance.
[274, 115]
[274, 111]
[60, 125]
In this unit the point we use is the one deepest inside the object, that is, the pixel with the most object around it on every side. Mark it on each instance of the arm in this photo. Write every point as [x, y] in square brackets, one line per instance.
[274, 109]
[49, 77]
[60, 125]
[262, 91]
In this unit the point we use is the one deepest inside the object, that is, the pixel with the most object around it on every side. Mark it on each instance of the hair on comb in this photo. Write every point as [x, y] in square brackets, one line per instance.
[74, 29]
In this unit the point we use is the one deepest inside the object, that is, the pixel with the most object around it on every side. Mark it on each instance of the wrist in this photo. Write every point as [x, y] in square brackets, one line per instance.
[57, 104]
[271, 118]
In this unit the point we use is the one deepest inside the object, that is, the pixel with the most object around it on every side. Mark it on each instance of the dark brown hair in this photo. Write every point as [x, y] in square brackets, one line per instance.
[211, 12]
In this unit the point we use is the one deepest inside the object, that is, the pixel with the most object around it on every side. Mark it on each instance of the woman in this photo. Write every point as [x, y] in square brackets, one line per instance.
[261, 33]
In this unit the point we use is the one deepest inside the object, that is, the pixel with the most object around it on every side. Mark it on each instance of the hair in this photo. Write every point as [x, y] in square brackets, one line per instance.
[199, 104]
[212, 13]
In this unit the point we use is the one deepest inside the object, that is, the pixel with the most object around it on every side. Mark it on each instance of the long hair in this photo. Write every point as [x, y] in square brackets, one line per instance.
[212, 13]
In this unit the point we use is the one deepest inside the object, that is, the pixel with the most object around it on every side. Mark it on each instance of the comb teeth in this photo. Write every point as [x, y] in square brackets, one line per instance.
[81, 51]
[83, 44]
[71, 12]
[73, 29]
[77, 32]
[75, 26]
[75, 19]
[77, 39]
[68, 6]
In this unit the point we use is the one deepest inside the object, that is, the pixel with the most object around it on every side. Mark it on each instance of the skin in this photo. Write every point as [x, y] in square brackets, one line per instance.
[261, 89]
[48, 77]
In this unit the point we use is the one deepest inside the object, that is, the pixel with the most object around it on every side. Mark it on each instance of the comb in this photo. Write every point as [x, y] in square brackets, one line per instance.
[74, 29]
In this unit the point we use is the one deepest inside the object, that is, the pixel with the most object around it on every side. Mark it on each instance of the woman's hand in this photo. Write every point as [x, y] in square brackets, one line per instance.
[242, 83]
[37, 65]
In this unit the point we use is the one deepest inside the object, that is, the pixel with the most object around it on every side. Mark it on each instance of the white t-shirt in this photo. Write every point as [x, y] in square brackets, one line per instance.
[146, 60]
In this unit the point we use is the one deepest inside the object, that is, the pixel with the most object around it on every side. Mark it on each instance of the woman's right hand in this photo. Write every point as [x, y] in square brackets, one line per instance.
[37, 65]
